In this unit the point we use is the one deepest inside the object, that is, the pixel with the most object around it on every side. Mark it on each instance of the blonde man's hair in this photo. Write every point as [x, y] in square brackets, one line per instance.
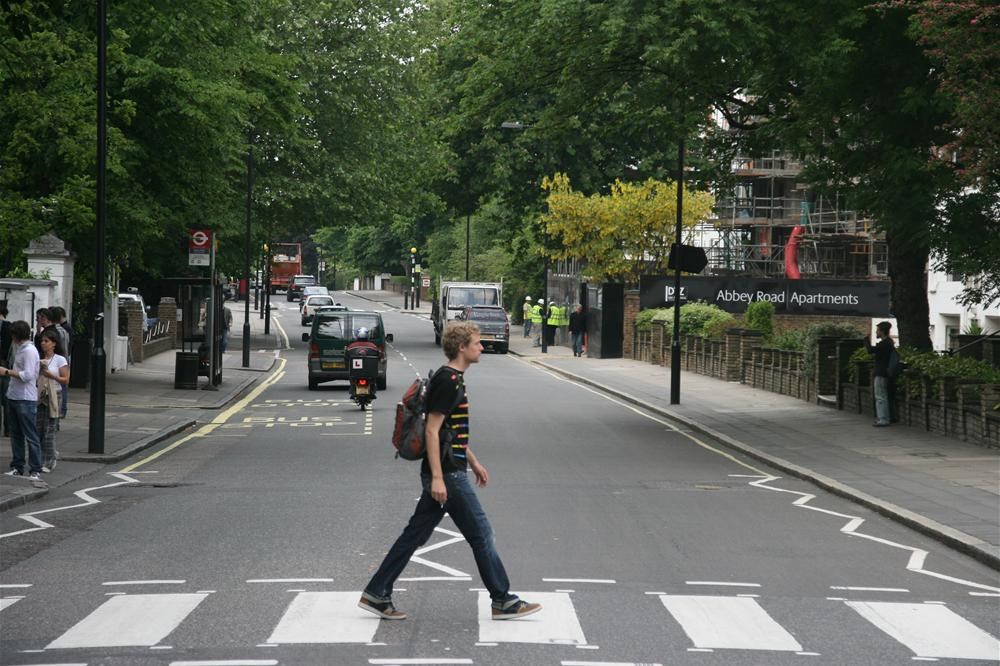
[456, 334]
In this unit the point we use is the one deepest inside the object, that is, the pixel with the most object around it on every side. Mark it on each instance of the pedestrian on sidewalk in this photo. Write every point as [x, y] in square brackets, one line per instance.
[66, 337]
[526, 315]
[22, 402]
[446, 488]
[53, 376]
[6, 360]
[578, 329]
[227, 325]
[43, 322]
[537, 313]
[886, 362]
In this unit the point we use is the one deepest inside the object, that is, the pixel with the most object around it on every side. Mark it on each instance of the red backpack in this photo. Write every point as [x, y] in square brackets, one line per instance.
[411, 419]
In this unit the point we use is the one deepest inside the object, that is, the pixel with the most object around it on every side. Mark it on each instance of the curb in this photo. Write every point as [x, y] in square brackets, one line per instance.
[20, 497]
[960, 541]
[135, 447]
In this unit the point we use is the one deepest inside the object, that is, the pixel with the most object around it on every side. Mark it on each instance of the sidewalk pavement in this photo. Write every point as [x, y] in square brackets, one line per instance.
[142, 408]
[393, 300]
[942, 487]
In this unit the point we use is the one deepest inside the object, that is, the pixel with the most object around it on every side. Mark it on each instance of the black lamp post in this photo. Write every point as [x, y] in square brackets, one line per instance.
[246, 256]
[675, 343]
[98, 359]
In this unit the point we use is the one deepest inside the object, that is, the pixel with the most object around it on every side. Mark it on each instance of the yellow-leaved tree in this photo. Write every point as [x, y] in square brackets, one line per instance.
[622, 235]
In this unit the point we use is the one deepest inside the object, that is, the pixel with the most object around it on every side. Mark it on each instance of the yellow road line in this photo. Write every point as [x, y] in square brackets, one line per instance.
[208, 428]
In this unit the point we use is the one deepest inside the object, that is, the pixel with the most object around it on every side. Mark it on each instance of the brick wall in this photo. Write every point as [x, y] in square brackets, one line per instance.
[631, 311]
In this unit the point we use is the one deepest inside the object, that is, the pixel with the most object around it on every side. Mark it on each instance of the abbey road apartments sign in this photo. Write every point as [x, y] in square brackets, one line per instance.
[733, 294]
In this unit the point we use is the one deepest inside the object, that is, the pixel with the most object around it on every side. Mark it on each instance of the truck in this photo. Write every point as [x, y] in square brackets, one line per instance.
[286, 263]
[453, 297]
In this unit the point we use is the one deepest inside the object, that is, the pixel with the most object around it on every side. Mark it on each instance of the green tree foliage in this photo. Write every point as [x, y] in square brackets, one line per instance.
[622, 235]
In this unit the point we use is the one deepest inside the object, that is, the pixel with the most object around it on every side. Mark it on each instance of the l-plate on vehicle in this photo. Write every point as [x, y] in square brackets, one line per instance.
[332, 330]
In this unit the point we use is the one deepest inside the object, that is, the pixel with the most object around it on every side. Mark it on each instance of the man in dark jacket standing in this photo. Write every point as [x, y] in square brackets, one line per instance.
[578, 329]
[884, 351]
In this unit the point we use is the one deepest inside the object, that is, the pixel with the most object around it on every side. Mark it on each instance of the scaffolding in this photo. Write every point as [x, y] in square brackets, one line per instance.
[753, 223]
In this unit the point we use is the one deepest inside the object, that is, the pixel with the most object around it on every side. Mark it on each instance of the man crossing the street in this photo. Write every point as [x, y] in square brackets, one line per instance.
[446, 488]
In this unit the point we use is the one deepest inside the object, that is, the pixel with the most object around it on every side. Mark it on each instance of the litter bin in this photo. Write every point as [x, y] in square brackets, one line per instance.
[186, 370]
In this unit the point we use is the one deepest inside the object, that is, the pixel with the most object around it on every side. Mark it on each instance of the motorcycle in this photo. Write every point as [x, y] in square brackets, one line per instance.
[362, 364]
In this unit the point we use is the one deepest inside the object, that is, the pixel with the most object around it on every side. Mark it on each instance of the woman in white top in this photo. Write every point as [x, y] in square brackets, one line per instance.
[55, 373]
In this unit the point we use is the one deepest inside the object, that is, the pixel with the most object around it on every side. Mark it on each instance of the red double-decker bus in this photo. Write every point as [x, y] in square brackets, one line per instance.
[286, 263]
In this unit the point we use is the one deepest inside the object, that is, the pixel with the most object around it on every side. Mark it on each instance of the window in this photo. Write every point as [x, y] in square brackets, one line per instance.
[459, 296]
[330, 327]
[371, 322]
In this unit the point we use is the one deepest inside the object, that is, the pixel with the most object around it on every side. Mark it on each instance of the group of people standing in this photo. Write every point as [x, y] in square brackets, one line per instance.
[534, 315]
[34, 379]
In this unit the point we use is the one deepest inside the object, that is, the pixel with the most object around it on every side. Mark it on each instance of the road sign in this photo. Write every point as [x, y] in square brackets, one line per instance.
[200, 247]
[425, 282]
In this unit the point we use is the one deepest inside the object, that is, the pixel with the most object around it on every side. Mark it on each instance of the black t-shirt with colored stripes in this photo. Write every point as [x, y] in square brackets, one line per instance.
[446, 388]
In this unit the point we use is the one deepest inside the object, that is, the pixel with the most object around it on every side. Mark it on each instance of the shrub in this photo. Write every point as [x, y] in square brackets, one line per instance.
[793, 340]
[812, 334]
[696, 319]
[760, 317]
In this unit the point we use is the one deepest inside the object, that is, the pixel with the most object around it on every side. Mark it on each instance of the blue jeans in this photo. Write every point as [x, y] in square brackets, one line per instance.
[464, 508]
[883, 413]
[23, 431]
[527, 327]
[578, 343]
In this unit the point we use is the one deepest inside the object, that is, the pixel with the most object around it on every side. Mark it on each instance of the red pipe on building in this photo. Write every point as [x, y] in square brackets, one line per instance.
[792, 253]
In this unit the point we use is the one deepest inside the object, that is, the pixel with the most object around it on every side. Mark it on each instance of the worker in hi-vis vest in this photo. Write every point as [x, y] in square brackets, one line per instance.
[526, 315]
[536, 321]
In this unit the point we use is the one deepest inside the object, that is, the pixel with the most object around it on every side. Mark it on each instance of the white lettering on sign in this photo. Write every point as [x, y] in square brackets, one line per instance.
[824, 299]
[670, 293]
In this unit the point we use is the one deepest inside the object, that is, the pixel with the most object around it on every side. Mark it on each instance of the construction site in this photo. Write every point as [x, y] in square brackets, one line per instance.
[769, 224]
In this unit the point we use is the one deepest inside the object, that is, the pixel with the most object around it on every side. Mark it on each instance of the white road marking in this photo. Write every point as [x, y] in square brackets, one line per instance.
[428, 662]
[930, 631]
[429, 578]
[605, 581]
[325, 617]
[227, 662]
[82, 494]
[132, 620]
[145, 582]
[720, 583]
[7, 602]
[290, 580]
[555, 624]
[10, 586]
[605, 663]
[728, 623]
[869, 589]
[283, 334]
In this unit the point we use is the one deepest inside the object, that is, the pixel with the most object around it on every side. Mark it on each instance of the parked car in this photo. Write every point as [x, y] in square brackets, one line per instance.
[310, 305]
[315, 290]
[136, 296]
[493, 323]
[332, 330]
[297, 284]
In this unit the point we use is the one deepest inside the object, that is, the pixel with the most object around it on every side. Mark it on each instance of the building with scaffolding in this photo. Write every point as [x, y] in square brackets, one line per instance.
[770, 224]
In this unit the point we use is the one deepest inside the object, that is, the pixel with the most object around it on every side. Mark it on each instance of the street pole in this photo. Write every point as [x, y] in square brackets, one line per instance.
[675, 343]
[545, 298]
[246, 257]
[467, 234]
[266, 309]
[413, 277]
[98, 359]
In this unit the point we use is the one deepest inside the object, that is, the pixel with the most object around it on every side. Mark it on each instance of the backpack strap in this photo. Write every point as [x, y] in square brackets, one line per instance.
[458, 396]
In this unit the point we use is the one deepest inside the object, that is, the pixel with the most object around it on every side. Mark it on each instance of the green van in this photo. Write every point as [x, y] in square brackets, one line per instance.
[332, 330]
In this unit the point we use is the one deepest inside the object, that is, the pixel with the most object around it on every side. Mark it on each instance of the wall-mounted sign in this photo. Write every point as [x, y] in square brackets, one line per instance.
[734, 294]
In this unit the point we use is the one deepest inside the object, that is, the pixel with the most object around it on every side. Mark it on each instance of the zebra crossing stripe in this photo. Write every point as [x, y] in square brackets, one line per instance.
[555, 624]
[130, 620]
[728, 623]
[325, 617]
[930, 630]
[7, 602]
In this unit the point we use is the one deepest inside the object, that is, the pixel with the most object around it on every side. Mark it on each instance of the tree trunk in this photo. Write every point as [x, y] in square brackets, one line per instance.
[908, 273]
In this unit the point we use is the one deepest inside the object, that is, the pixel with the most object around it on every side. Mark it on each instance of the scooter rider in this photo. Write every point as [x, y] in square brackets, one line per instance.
[362, 340]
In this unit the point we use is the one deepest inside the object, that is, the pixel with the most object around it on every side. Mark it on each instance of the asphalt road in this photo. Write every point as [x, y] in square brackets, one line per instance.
[249, 543]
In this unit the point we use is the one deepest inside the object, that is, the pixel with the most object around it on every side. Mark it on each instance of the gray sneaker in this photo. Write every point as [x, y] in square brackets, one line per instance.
[384, 609]
[12, 472]
[517, 609]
